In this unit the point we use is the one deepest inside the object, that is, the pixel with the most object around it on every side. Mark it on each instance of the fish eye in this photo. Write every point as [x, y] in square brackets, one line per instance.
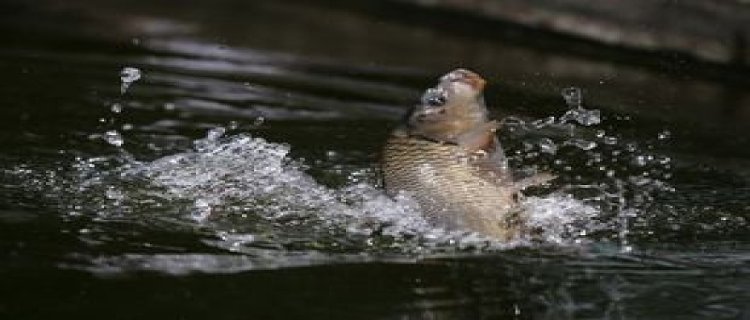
[434, 98]
[436, 101]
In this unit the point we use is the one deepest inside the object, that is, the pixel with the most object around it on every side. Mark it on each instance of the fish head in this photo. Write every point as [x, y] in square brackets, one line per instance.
[454, 106]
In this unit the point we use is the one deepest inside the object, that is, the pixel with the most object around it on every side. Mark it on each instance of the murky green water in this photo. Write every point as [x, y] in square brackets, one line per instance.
[237, 177]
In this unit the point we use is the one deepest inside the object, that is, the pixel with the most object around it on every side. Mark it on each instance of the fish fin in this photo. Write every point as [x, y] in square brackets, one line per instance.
[535, 180]
[482, 142]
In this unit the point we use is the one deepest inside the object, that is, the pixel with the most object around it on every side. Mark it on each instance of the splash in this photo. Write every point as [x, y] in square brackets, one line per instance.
[617, 177]
[249, 192]
[244, 194]
[128, 76]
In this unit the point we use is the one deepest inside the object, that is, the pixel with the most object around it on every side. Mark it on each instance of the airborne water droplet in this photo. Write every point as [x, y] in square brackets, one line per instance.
[610, 140]
[589, 117]
[116, 108]
[114, 138]
[664, 135]
[573, 97]
[259, 121]
[128, 75]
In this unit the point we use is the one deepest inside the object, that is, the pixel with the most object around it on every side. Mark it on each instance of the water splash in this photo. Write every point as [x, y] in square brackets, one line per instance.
[244, 187]
[618, 177]
[114, 138]
[128, 75]
[574, 99]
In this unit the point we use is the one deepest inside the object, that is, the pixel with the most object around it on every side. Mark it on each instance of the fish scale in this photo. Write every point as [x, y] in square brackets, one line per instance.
[453, 192]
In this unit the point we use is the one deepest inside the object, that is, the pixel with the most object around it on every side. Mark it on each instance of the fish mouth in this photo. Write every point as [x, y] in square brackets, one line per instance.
[468, 77]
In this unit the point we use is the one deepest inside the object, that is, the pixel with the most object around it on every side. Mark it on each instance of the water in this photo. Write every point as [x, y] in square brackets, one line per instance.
[232, 173]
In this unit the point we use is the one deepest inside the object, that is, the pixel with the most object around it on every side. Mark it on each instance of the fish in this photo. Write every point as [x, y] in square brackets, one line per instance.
[445, 155]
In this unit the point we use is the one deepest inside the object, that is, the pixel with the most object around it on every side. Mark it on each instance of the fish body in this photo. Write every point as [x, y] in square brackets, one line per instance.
[452, 189]
[446, 156]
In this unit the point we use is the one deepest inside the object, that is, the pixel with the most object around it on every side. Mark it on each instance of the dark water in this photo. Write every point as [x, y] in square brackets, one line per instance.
[237, 177]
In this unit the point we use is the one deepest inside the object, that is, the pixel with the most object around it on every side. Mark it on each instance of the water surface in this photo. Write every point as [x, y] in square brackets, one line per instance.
[237, 176]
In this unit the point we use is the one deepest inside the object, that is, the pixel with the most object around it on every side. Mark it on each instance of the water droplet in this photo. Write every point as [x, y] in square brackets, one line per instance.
[582, 116]
[581, 144]
[589, 117]
[541, 123]
[609, 140]
[233, 125]
[201, 210]
[215, 133]
[169, 106]
[128, 75]
[127, 127]
[116, 108]
[114, 138]
[546, 145]
[573, 97]
[114, 194]
[640, 161]
[259, 121]
[664, 135]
